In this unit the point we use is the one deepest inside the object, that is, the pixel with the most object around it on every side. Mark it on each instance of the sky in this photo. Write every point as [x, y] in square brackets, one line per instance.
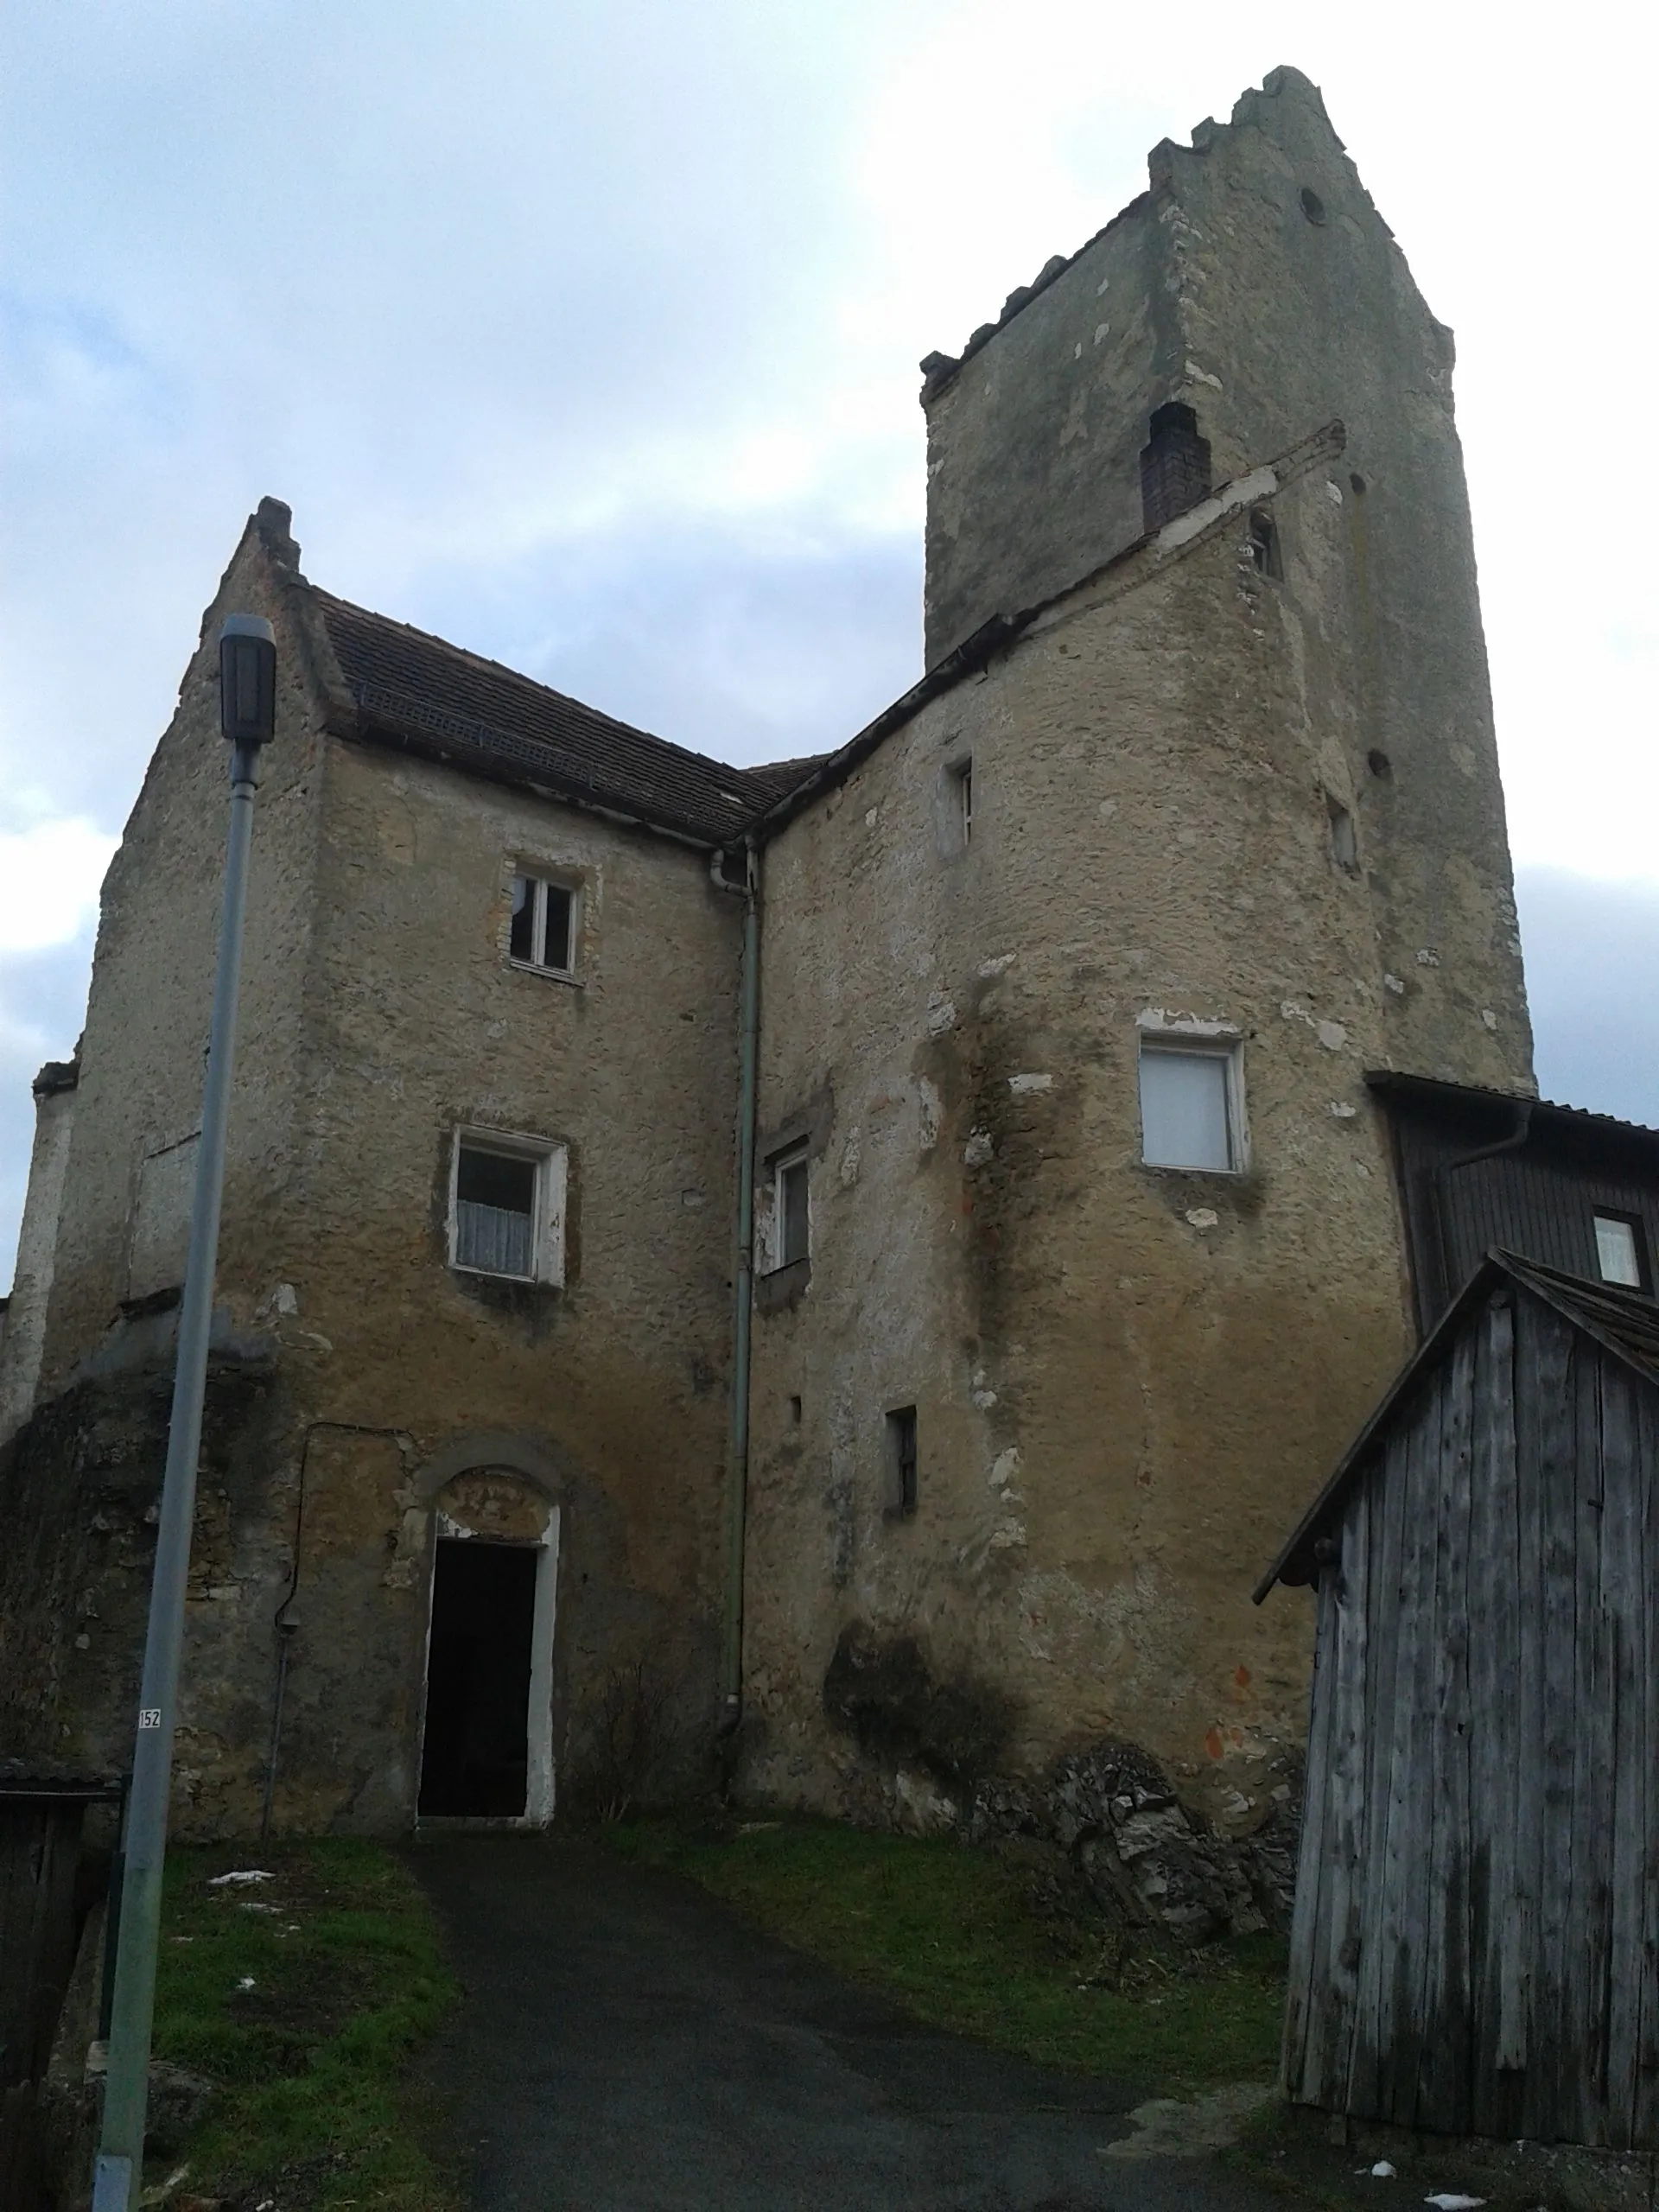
[586, 335]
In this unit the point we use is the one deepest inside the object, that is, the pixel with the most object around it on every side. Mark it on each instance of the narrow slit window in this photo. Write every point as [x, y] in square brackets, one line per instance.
[1619, 1255]
[794, 1225]
[965, 778]
[1264, 545]
[1189, 1109]
[541, 933]
[901, 1459]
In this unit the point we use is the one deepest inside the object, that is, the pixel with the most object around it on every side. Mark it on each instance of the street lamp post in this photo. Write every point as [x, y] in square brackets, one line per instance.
[247, 718]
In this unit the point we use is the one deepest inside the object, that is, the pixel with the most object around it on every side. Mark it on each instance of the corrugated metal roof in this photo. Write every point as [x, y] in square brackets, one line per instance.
[416, 690]
[1435, 1090]
[1626, 1321]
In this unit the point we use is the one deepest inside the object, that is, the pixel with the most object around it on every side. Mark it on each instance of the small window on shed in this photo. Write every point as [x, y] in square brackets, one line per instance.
[1189, 1107]
[901, 1460]
[1264, 544]
[1621, 1256]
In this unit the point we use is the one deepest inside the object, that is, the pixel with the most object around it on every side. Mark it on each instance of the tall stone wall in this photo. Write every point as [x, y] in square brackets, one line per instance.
[24, 1340]
[124, 1217]
[380, 1014]
[1256, 284]
[1127, 1377]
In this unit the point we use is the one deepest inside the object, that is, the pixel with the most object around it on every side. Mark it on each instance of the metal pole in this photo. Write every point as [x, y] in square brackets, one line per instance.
[119, 2172]
[738, 1469]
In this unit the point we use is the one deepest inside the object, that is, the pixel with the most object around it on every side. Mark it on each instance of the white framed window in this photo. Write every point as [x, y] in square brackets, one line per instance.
[789, 1237]
[506, 1206]
[1191, 1103]
[542, 932]
[1619, 1255]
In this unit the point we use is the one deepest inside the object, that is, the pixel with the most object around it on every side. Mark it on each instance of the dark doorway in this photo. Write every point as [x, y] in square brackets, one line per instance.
[474, 1764]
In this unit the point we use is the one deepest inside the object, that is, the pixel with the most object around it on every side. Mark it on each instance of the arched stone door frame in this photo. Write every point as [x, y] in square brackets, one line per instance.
[492, 1451]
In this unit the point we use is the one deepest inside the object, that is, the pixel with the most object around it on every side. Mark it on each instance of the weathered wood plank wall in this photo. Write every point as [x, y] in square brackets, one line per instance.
[1476, 1942]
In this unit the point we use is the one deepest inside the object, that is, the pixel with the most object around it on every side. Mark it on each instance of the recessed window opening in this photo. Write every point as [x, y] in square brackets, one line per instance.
[791, 1213]
[901, 1459]
[1620, 1255]
[1174, 465]
[795, 1412]
[1344, 847]
[1264, 544]
[961, 775]
[475, 1751]
[1379, 764]
[1190, 1107]
[506, 1217]
[541, 933]
[1312, 206]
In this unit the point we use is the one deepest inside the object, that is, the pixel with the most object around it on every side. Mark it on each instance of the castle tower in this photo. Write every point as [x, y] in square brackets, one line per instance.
[1074, 966]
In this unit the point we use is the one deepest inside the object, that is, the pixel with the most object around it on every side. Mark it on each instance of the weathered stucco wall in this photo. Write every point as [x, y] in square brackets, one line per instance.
[378, 1013]
[614, 1384]
[1126, 1376]
[1257, 283]
[121, 1229]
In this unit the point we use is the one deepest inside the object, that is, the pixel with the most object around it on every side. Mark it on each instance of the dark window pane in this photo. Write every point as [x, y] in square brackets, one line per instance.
[557, 952]
[495, 1178]
[901, 1443]
[521, 935]
[792, 1206]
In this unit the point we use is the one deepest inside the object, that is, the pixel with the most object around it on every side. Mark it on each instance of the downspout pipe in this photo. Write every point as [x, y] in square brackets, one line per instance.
[1448, 1168]
[731, 1651]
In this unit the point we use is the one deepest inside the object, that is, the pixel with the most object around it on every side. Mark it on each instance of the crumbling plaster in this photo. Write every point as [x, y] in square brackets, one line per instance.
[1125, 1376]
[379, 1013]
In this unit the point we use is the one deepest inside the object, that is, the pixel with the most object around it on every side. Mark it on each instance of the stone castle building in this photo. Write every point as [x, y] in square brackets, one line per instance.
[1042, 1013]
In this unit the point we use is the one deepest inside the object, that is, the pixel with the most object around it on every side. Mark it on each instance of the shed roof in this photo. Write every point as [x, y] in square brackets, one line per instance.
[419, 693]
[1625, 1322]
[1545, 1113]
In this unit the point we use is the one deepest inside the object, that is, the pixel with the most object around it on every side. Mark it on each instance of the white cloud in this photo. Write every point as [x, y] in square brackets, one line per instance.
[50, 872]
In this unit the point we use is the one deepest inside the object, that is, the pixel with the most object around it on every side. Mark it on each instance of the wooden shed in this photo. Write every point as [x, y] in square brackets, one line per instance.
[1475, 1947]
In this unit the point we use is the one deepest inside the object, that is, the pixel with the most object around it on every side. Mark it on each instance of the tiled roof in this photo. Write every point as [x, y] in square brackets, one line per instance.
[415, 692]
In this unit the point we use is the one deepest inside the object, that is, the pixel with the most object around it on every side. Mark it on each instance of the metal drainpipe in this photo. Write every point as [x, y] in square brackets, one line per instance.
[1443, 1175]
[731, 1653]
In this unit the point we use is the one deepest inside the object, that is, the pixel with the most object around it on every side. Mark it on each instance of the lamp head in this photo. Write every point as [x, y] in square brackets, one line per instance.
[247, 680]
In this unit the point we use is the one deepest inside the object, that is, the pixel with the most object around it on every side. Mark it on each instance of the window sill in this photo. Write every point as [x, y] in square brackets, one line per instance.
[548, 975]
[782, 1287]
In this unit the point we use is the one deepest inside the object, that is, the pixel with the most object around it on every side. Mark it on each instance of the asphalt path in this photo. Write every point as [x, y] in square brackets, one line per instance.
[627, 2044]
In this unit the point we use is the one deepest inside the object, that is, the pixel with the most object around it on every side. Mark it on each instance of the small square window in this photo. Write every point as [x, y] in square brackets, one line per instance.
[1190, 1114]
[542, 930]
[507, 1207]
[1620, 1256]
[901, 1461]
[792, 1221]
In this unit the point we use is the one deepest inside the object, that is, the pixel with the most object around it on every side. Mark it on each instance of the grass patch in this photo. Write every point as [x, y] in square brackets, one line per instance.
[951, 1935]
[303, 1998]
